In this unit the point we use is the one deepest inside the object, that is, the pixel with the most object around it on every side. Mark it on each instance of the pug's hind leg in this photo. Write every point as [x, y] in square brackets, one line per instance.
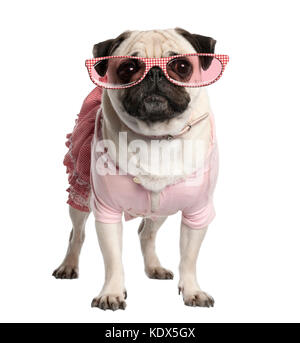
[69, 267]
[147, 233]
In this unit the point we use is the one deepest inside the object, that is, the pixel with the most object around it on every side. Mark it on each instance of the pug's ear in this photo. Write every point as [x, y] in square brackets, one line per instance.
[201, 44]
[107, 47]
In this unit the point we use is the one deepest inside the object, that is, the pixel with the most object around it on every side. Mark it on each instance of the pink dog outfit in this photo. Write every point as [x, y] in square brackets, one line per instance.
[111, 195]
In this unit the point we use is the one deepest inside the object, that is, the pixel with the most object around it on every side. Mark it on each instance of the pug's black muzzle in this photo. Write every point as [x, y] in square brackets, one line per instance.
[155, 98]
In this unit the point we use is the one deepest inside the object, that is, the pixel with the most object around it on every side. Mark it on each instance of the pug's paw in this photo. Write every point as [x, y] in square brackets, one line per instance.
[197, 298]
[159, 273]
[66, 271]
[110, 301]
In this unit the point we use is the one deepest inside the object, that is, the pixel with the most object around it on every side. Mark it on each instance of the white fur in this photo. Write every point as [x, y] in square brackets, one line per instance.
[154, 44]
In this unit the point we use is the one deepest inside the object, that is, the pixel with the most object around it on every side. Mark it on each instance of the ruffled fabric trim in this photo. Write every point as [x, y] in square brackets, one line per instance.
[78, 158]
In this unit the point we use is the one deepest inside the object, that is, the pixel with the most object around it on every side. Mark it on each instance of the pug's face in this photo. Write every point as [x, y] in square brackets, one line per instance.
[155, 99]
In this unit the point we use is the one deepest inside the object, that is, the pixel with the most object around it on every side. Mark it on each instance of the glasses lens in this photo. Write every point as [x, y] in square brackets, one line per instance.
[194, 70]
[118, 72]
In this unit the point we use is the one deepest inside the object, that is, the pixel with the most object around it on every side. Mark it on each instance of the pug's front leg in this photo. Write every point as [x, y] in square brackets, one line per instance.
[190, 242]
[113, 293]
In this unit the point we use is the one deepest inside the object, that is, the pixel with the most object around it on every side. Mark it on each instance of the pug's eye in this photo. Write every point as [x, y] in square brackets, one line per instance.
[181, 67]
[101, 67]
[127, 69]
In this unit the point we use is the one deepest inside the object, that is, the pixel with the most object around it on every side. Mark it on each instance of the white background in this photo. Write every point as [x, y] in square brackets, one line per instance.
[250, 258]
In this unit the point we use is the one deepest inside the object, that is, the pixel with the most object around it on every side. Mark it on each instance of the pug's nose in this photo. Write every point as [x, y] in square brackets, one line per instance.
[155, 74]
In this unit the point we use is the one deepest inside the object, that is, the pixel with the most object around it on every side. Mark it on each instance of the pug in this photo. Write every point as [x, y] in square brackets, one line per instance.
[154, 109]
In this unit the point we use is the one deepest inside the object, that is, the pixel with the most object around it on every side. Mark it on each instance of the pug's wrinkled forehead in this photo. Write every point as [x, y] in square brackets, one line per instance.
[155, 43]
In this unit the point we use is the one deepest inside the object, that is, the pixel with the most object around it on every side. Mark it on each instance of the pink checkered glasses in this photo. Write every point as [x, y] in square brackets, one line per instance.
[186, 70]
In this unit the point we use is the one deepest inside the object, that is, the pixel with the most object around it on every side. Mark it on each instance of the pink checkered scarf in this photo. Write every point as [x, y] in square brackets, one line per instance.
[78, 158]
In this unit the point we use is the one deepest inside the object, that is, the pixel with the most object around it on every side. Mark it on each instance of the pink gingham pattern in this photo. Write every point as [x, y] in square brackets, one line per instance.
[78, 158]
[159, 62]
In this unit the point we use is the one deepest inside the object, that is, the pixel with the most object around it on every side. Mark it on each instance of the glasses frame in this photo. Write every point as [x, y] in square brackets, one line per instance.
[160, 62]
